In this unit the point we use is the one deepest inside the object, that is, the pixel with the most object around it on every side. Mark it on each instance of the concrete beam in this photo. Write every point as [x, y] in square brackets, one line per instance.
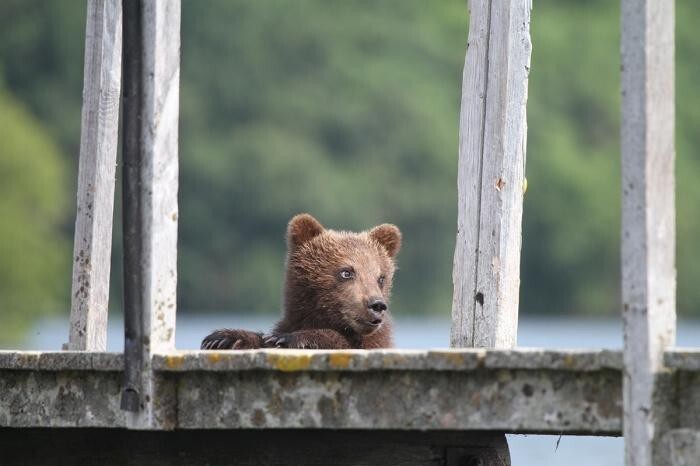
[681, 447]
[524, 390]
[684, 359]
[61, 361]
[388, 360]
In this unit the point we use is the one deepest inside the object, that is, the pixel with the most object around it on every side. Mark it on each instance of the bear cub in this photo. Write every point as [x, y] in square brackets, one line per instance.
[336, 291]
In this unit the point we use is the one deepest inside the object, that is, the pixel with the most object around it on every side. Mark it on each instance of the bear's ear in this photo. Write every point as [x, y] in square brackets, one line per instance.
[388, 236]
[301, 229]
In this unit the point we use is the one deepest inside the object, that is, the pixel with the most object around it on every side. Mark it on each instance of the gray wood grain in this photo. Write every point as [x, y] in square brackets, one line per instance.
[648, 216]
[98, 153]
[159, 181]
[492, 135]
[486, 274]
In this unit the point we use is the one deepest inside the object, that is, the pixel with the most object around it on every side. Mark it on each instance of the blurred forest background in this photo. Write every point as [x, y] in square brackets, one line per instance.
[347, 110]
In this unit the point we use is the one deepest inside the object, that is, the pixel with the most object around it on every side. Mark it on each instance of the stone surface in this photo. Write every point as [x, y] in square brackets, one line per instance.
[388, 360]
[520, 390]
[61, 360]
[687, 399]
[682, 448]
[513, 400]
[687, 359]
[60, 398]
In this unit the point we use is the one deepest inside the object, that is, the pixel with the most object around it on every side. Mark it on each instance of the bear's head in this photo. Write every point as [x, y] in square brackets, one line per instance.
[338, 279]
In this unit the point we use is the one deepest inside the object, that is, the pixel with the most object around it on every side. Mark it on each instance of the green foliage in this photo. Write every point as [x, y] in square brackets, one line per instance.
[349, 110]
[41, 62]
[572, 208]
[33, 269]
[688, 157]
[289, 108]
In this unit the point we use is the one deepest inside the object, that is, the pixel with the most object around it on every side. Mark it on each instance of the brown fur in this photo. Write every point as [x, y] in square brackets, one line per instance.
[331, 283]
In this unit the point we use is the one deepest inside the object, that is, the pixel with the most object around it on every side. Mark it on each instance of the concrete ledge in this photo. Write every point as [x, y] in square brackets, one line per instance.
[682, 448]
[61, 361]
[521, 391]
[684, 359]
[331, 360]
[60, 398]
[511, 400]
[388, 360]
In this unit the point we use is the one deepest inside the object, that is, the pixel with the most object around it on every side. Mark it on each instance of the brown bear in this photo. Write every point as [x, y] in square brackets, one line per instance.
[336, 291]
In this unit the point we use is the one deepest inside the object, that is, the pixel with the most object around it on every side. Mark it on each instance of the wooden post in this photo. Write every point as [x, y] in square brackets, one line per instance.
[152, 214]
[98, 156]
[492, 139]
[648, 217]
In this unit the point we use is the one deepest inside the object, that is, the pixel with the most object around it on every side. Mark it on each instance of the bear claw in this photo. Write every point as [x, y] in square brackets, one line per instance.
[276, 341]
[231, 339]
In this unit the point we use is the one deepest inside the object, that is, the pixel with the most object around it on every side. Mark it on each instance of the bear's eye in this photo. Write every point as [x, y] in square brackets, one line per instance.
[380, 280]
[346, 274]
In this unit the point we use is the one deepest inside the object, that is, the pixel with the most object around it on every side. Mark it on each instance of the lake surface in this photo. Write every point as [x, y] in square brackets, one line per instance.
[411, 332]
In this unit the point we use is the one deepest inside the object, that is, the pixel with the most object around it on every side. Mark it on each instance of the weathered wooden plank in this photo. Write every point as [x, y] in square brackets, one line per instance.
[151, 211]
[486, 273]
[161, 76]
[98, 155]
[648, 216]
[471, 136]
[493, 128]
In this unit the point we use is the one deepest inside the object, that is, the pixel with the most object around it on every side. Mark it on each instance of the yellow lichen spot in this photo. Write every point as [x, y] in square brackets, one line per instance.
[456, 359]
[289, 362]
[213, 357]
[174, 362]
[450, 358]
[339, 360]
[568, 360]
[395, 359]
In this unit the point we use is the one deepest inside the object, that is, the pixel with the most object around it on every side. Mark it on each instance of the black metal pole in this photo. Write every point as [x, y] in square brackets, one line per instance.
[132, 99]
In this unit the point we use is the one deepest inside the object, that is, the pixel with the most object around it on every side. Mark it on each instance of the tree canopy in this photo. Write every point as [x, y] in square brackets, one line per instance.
[349, 111]
[33, 265]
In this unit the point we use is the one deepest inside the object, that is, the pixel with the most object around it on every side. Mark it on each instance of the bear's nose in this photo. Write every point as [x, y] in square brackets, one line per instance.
[377, 305]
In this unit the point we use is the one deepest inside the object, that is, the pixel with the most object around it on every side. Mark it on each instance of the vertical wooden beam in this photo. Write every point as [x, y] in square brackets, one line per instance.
[648, 216]
[492, 137]
[96, 167]
[157, 169]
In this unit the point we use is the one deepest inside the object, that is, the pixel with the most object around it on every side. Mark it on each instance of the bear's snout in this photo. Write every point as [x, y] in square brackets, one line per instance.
[378, 306]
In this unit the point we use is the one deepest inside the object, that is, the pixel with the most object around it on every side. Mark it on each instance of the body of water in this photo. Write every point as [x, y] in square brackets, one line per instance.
[430, 332]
